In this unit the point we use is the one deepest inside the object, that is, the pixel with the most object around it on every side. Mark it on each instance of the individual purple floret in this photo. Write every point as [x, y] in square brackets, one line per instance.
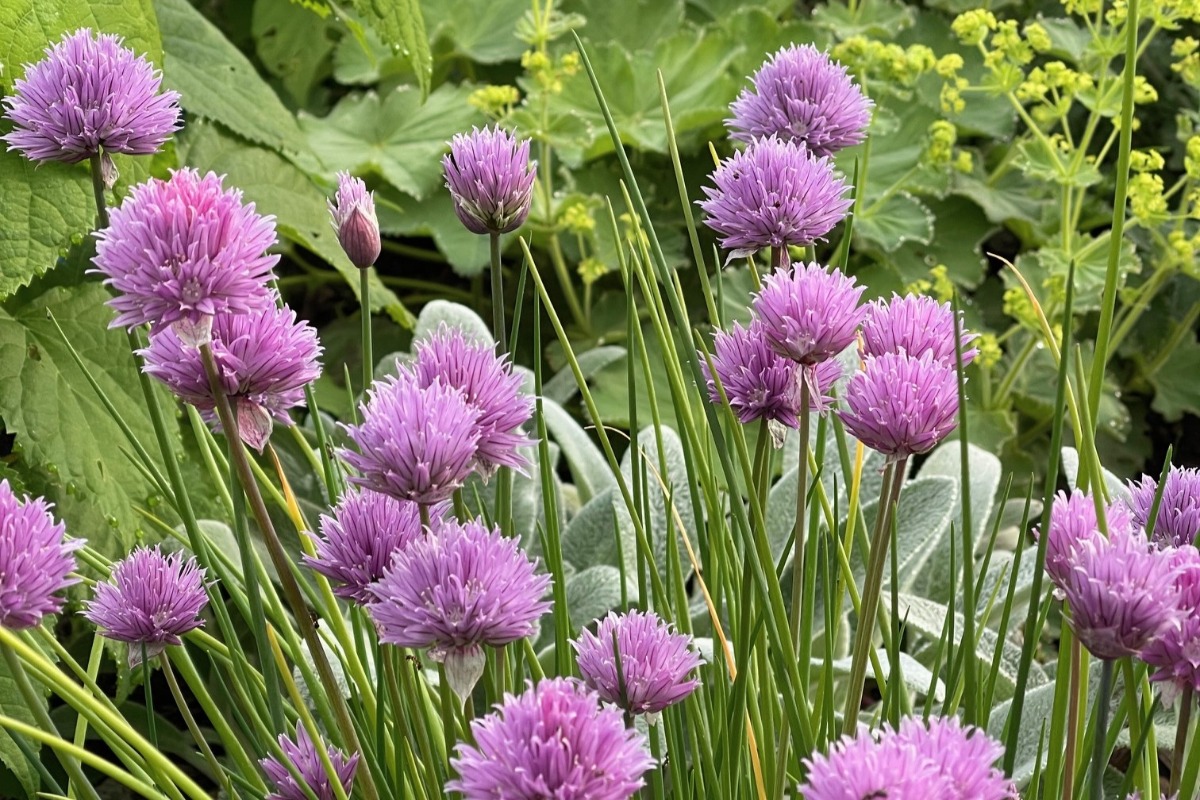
[554, 741]
[354, 221]
[181, 251]
[151, 601]
[808, 313]
[773, 194]
[415, 443]
[1072, 521]
[489, 384]
[358, 541]
[1175, 653]
[491, 179]
[1178, 519]
[801, 95]
[655, 662]
[302, 753]
[873, 765]
[461, 587]
[916, 324]
[265, 359]
[35, 560]
[89, 95]
[900, 405]
[965, 757]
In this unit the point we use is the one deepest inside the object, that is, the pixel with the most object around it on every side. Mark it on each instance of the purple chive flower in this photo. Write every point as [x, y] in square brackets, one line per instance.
[900, 405]
[870, 765]
[655, 662]
[490, 178]
[265, 358]
[357, 543]
[459, 588]
[89, 95]
[415, 442]
[35, 560]
[354, 220]
[773, 194]
[302, 753]
[152, 600]
[965, 757]
[916, 324]
[809, 314]
[181, 251]
[1175, 653]
[1178, 520]
[489, 384]
[555, 740]
[801, 95]
[1072, 521]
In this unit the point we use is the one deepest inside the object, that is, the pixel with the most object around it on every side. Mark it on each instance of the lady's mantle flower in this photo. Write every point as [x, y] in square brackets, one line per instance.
[900, 405]
[181, 251]
[801, 95]
[302, 753]
[772, 194]
[459, 588]
[1178, 519]
[655, 662]
[89, 95]
[916, 324]
[354, 219]
[490, 178]
[555, 740]
[357, 543]
[809, 314]
[265, 359]
[35, 561]
[152, 600]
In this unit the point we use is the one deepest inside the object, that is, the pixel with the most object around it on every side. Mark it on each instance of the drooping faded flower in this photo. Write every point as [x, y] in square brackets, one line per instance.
[415, 442]
[773, 194]
[181, 251]
[354, 220]
[89, 95]
[965, 757]
[1178, 519]
[490, 178]
[1175, 653]
[265, 359]
[358, 541]
[800, 94]
[302, 753]
[873, 765]
[152, 599]
[461, 587]
[809, 314]
[655, 662]
[901, 406]
[489, 384]
[35, 560]
[555, 740]
[916, 324]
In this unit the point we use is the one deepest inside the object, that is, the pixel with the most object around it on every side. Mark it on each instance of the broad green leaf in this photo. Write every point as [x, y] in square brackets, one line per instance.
[1003, 199]
[873, 18]
[720, 9]
[1176, 390]
[592, 593]
[666, 478]
[27, 27]
[1046, 269]
[636, 24]
[293, 45]
[443, 312]
[480, 30]
[562, 387]
[400, 25]
[590, 538]
[589, 469]
[960, 230]
[922, 523]
[900, 218]
[1038, 162]
[764, 34]
[434, 216]
[1067, 38]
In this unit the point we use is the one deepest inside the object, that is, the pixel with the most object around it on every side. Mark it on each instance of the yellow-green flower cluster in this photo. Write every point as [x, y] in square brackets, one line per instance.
[547, 72]
[1146, 197]
[1191, 159]
[577, 218]
[495, 101]
[1187, 51]
[592, 270]
[883, 63]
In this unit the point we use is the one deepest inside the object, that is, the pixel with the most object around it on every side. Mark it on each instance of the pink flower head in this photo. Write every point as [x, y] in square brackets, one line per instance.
[801, 95]
[357, 543]
[965, 757]
[554, 741]
[302, 753]
[354, 220]
[900, 405]
[773, 194]
[1175, 653]
[1072, 521]
[871, 765]
[152, 600]
[35, 560]
[809, 314]
[916, 324]
[181, 251]
[490, 178]
[1178, 520]
[88, 95]
[265, 359]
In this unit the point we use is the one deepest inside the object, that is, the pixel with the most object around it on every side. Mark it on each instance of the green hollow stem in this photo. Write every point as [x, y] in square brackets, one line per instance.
[98, 191]
[1099, 748]
[194, 729]
[1068, 771]
[368, 358]
[498, 327]
[147, 673]
[1181, 734]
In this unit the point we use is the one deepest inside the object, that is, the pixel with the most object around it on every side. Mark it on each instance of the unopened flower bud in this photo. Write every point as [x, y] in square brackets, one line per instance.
[353, 212]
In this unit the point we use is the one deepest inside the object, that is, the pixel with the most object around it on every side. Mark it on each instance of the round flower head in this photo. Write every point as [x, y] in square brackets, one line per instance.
[772, 194]
[965, 757]
[357, 543]
[1175, 653]
[265, 359]
[809, 314]
[801, 95]
[1072, 521]
[655, 662]
[553, 741]
[302, 753]
[354, 220]
[490, 178]
[152, 600]
[181, 251]
[874, 765]
[88, 95]
[916, 324]
[1178, 519]
[900, 405]
[459, 588]
[488, 383]
[35, 561]
[415, 442]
